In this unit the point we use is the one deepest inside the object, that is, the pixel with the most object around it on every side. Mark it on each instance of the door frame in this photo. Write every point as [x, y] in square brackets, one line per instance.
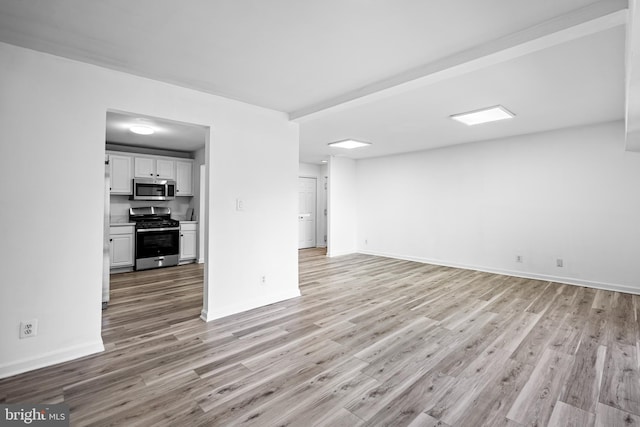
[203, 203]
[315, 230]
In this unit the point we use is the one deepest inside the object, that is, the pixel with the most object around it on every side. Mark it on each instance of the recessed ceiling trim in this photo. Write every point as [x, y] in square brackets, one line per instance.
[597, 17]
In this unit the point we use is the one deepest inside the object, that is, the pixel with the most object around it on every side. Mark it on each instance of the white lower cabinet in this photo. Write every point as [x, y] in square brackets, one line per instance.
[121, 246]
[188, 242]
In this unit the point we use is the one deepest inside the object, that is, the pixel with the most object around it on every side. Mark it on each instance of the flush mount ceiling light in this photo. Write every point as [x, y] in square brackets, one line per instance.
[142, 130]
[349, 144]
[484, 115]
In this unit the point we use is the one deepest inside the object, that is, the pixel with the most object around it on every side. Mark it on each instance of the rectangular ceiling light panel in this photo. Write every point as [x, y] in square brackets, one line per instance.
[485, 115]
[349, 144]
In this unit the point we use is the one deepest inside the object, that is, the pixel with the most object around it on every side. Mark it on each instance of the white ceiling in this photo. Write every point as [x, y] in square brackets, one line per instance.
[571, 84]
[169, 135]
[307, 58]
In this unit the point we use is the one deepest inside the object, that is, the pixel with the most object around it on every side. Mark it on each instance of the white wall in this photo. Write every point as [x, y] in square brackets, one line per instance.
[342, 221]
[308, 170]
[570, 194]
[52, 120]
[256, 161]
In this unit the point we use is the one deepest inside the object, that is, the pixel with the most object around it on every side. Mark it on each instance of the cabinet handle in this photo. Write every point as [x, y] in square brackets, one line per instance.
[150, 174]
[182, 235]
[111, 240]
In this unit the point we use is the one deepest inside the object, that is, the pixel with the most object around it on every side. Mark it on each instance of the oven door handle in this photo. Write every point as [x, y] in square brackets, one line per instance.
[149, 230]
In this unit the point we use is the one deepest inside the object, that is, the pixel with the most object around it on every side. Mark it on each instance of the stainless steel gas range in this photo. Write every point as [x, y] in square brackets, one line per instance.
[157, 237]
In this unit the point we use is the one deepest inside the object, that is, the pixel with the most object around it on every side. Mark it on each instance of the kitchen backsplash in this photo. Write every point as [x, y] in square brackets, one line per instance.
[120, 206]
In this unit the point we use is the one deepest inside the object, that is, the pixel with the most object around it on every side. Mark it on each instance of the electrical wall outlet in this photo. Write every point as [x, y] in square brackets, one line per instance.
[559, 262]
[239, 205]
[518, 258]
[28, 328]
[263, 280]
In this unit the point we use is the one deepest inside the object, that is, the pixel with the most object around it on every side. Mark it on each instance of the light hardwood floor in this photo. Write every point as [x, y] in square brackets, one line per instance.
[372, 341]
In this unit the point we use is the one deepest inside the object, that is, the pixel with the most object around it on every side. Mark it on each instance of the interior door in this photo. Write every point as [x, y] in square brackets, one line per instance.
[306, 213]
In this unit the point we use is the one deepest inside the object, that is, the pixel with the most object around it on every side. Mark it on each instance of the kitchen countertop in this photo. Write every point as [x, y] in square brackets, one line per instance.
[183, 219]
[116, 221]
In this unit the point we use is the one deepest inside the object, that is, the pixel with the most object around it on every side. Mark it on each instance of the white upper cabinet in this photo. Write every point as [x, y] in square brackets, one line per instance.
[184, 178]
[165, 169]
[121, 174]
[149, 167]
[126, 166]
[145, 167]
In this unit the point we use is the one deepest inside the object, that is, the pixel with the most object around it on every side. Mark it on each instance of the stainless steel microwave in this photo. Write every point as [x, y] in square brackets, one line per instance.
[153, 189]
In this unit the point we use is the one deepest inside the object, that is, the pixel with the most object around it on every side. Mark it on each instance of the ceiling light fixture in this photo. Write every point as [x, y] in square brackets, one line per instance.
[349, 144]
[484, 115]
[142, 130]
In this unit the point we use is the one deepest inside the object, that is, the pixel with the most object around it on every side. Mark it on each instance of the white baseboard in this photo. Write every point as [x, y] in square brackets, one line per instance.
[209, 315]
[523, 274]
[51, 358]
[118, 270]
[341, 253]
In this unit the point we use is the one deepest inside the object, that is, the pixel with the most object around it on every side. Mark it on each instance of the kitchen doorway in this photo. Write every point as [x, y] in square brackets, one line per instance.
[173, 155]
